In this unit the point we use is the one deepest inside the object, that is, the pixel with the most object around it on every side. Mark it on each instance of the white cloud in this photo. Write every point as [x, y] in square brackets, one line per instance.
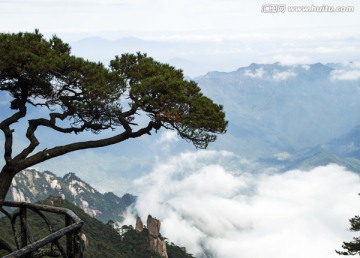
[306, 67]
[206, 207]
[219, 37]
[166, 141]
[168, 137]
[326, 50]
[282, 156]
[330, 50]
[349, 71]
[348, 75]
[281, 76]
[354, 65]
[290, 60]
[258, 73]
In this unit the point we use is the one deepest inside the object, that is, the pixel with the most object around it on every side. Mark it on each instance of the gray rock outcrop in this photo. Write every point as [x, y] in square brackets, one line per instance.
[157, 244]
[139, 225]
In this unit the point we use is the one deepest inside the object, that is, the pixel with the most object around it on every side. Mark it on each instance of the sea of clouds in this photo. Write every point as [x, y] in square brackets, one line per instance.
[214, 209]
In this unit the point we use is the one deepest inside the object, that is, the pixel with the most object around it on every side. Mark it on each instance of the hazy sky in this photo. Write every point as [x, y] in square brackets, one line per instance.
[220, 35]
[168, 18]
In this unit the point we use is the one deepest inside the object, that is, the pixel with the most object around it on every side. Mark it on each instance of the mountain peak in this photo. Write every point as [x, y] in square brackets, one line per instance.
[31, 185]
[70, 176]
[254, 66]
[320, 66]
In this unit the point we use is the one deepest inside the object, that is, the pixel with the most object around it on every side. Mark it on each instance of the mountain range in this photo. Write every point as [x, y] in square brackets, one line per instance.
[275, 108]
[277, 113]
[31, 185]
[344, 151]
[292, 115]
[271, 108]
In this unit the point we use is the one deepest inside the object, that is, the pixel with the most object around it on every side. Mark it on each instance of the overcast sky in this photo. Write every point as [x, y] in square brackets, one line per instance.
[169, 18]
[233, 33]
[221, 35]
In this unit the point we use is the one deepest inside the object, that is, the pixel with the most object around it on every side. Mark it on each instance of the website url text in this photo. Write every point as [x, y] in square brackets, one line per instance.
[282, 8]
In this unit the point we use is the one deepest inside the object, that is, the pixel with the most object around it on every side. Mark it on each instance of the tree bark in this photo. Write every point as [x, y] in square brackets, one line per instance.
[8, 172]
[5, 183]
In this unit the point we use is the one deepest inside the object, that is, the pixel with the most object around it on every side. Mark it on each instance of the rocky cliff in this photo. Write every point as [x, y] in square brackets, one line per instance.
[31, 186]
[156, 242]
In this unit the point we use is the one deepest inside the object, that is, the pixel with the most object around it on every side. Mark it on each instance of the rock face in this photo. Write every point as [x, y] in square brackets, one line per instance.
[85, 240]
[139, 225]
[153, 226]
[156, 243]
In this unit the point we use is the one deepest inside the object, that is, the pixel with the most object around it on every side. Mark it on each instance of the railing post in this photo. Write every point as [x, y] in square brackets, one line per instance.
[70, 240]
[26, 245]
[24, 230]
[79, 244]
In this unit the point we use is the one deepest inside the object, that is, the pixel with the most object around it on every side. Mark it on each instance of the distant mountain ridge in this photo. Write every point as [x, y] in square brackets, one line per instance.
[31, 186]
[271, 108]
[348, 145]
[274, 108]
[343, 151]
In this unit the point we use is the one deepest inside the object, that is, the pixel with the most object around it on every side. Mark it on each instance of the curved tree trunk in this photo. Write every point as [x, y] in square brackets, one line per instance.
[5, 183]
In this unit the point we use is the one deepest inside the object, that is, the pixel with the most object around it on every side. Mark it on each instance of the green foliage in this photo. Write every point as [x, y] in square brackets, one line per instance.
[352, 248]
[175, 251]
[103, 239]
[169, 100]
[29, 58]
[136, 244]
[79, 95]
[42, 72]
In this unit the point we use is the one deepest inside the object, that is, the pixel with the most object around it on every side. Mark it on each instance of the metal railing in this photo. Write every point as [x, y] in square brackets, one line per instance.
[50, 245]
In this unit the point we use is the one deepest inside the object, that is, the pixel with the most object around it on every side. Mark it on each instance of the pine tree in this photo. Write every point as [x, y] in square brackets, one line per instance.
[352, 248]
[62, 93]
